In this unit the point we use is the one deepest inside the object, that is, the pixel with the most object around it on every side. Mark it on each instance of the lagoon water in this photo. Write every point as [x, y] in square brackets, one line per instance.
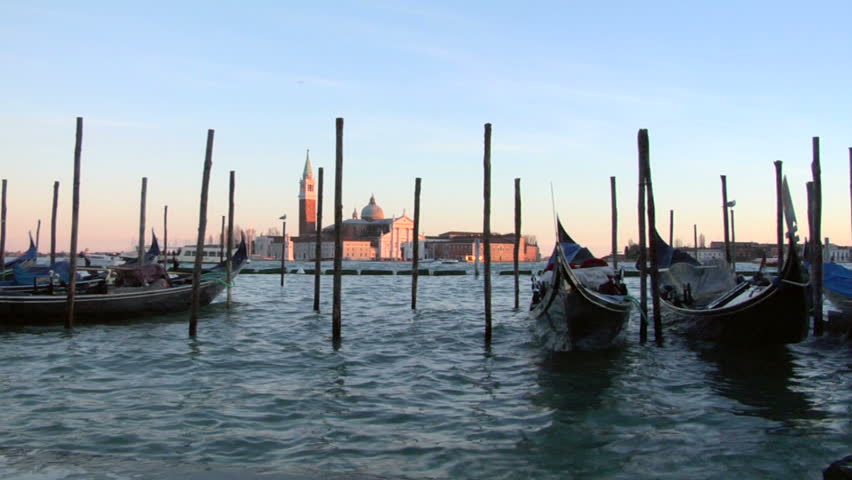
[262, 393]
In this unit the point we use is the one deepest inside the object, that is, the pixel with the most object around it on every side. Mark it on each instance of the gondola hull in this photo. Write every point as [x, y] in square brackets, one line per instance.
[46, 309]
[116, 303]
[569, 317]
[774, 314]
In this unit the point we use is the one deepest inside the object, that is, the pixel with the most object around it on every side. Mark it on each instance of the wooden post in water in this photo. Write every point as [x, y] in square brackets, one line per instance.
[53, 222]
[695, 239]
[3, 229]
[222, 241]
[141, 249]
[810, 190]
[733, 243]
[817, 265]
[166, 237]
[284, 246]
[779, 213]
[655, 285]
[476, 253]
[850, 193]
[671, 228]
[318, 249]
[199, 243]
[338, 234]
[75, 221]
[38, 234]
[415, 260]
[486, 230]
[642, 141]
[725, 218]
[614, 224]
[517, 239]
[229, 246]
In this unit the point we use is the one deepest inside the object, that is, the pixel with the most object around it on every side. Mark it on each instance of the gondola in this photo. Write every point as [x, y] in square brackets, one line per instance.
[27, 258]
[579, 302]
[709, 303]
[135, 291]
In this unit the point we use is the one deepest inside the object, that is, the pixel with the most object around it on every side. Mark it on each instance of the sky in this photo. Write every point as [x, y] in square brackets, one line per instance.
[724, 88]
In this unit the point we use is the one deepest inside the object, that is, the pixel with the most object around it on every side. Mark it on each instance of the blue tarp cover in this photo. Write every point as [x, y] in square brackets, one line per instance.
[838, 279]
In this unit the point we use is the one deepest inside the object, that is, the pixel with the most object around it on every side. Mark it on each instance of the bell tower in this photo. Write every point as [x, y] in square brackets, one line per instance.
[307, 199]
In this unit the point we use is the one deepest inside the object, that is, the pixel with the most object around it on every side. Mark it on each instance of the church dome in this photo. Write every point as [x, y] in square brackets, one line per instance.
[372, 211]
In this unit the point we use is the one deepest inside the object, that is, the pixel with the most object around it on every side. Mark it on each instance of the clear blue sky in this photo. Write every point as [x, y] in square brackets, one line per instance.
[723, 87]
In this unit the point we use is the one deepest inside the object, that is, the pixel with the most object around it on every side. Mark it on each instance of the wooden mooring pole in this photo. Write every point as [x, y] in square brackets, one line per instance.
[38, 233]
[229, 255]
[75, 221]
[695, 239]
[338, 234]
[166, 237]
[614, 215]
[671, 228]
[415, 258]
[779, 213]
[642, 142]
[283, 219]
[817, 265]
[53, 222]
[725, 218]
[141, 248]
[202, 229]
[655, 285]
[517, 240]
[318, 246]
[486, 230]
[3, 229]
[222, 241]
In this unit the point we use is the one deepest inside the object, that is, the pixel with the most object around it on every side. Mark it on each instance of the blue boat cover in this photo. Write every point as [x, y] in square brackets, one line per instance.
[838, 279]
[27, 257]
[26, 275]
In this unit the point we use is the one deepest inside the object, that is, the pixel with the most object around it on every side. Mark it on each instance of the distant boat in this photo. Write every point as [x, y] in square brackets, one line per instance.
[449, 260]
[579, 303]
[102, 260]
[211, 254]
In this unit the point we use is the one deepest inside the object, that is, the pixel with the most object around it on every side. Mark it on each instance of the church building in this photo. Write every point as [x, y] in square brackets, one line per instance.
[368, 237]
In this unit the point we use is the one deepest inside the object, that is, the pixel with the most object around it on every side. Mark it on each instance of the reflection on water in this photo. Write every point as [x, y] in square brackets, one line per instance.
[763, 381]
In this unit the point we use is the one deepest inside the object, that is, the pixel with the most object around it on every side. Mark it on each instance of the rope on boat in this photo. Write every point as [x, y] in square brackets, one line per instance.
[217, 277]
[638, 306]
[798, 284]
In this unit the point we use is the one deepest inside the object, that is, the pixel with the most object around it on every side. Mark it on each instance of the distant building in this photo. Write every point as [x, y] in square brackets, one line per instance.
[836, 254]
[269, 247]
[370, 237]
[463, 245]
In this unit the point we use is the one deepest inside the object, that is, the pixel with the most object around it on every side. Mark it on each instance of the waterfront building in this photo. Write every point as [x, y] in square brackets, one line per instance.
[369, 236]
[462, 246]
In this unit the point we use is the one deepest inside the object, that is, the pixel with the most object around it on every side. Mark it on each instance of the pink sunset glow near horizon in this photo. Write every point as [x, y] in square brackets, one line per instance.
[724, 90]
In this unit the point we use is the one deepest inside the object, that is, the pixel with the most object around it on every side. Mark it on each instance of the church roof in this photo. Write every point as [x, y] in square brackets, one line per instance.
[372, 211]
[309, 171]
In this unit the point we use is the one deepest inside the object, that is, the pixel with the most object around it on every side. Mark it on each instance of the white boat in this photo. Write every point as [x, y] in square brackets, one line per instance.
[212, 254]
[102, 260]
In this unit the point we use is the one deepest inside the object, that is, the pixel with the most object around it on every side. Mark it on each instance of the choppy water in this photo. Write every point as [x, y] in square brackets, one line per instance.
[262, 393]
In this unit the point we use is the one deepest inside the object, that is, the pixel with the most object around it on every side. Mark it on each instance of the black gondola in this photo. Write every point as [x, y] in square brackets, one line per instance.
[579, 303]
[137, 290]
[758, 311]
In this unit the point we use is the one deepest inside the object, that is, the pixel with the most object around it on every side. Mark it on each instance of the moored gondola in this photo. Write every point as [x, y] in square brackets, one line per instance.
[579, 302]
[708, 303]
[135, 291]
